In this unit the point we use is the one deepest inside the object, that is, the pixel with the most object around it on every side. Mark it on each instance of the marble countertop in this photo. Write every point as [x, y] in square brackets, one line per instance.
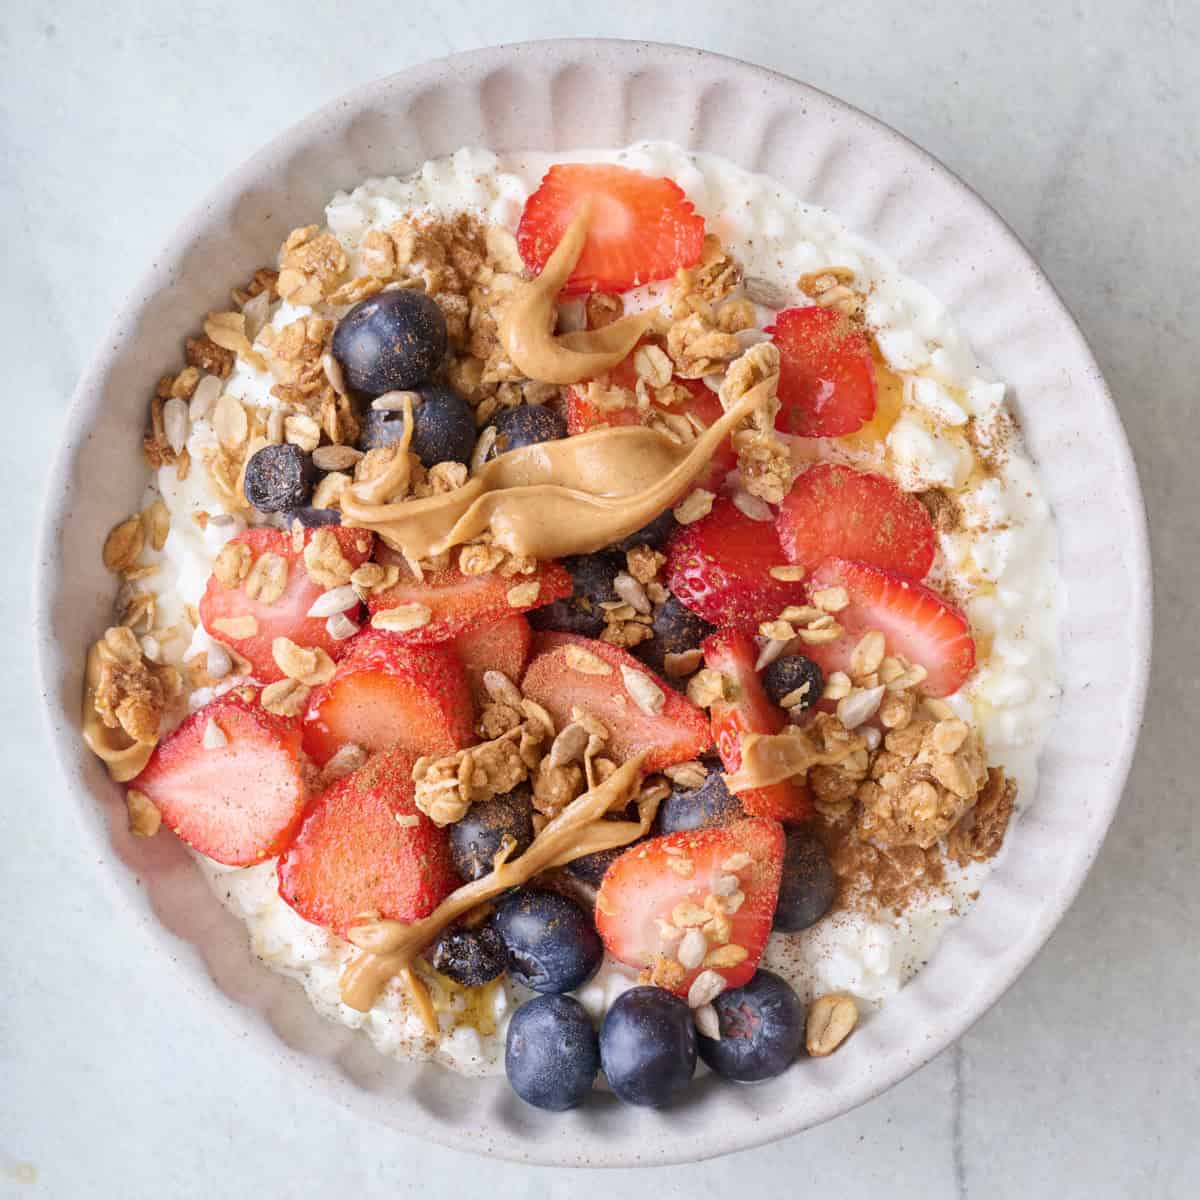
[1079, 123]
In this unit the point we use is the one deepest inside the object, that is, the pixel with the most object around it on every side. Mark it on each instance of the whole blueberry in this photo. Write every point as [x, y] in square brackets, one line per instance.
[391, 342]
[311, 518]
[653, 534]
[676, 630]
[471, 957]
[590, 868]
[808, 886]
[648, 1046]
[592, 576]
[525, 425]
[552, 943]
[443, 427]
[475, 840]
[712, 803]
[551, 1053]
[794, 673]
[279, 478]
[762, 1029]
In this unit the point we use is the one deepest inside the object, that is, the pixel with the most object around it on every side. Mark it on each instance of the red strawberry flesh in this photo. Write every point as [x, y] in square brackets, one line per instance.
[554, 679]
[826, 373]
[749, 710]
[641, 888]
[640, 228]
[835, 511]
[287, 616]
[364, 848]
[720, 568]
[502, 647]
[385, 694]
[915, 621]
[237, 802]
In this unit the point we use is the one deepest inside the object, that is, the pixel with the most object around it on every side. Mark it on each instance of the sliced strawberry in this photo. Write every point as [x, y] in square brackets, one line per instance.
[240, 801]
[387, 694]
[287, 616]
[826, 373]
[720, 567]
[640, 229]
[749, 710]
[914, 620]
[460, 603]
[646, 886]
[364, 848]
[554, 679]
[502, 647]
[836, 512]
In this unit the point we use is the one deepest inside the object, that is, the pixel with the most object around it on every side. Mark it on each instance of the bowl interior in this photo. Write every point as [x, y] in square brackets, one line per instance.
[559, 95]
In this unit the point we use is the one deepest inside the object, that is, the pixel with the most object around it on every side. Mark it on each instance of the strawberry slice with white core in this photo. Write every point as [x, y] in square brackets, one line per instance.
[748, 709]
[702, 900]
[249, 614]
[915, 621]
[640, 710]
[386, 694]
[640, 228]
[229, 781]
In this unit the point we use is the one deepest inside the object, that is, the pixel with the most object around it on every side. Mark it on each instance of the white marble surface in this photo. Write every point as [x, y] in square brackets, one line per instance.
[1079, 123]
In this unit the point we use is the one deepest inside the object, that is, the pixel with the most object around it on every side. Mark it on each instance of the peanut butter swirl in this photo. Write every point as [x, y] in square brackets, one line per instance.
[389, 947]
[572, 496]
[527, 327]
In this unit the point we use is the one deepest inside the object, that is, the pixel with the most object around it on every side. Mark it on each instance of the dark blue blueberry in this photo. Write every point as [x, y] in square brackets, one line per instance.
[792, 673]
[475, 839]
[311, 518]
[808, 887]
[676, 630]
[590, 868]
[648, 1047]
[711, 803]
[552, 943]
[551, 1054]
[471, 957]
[762, 1028]
[592, 575]
[443, 427]
[654, 534]
[525, 425]
[279, 477]
[391, 342]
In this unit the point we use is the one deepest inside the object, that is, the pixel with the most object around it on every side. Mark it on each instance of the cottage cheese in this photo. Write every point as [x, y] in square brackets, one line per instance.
[1000, 565]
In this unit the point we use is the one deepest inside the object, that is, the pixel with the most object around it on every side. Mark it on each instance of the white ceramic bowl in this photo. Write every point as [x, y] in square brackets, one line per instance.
[553, 95]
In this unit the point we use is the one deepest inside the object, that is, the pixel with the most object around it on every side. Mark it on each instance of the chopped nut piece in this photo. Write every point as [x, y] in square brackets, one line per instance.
[695, 505]
[752, 507]
[233, 563]
[683, 867]
[123, 544]
[309, 665]
[144, 817]
[214, 736]
[523, 594]
[726, 956]
[831, 1019]
[646, 694]
[831, 600]
[584, 661]
[693, 946]
[679, 665]
[787, 574]
[335, 458]
[402, 618]
[706, 987]
[286, 698]
[236, 627]
[687, 775]
[706, 687]
[687, 915]
[346, 760]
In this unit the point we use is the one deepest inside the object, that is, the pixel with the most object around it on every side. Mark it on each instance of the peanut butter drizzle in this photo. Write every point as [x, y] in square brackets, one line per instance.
[123, 757]
[388, 947]
[571, 496]
[527, 326]
[772, 758]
